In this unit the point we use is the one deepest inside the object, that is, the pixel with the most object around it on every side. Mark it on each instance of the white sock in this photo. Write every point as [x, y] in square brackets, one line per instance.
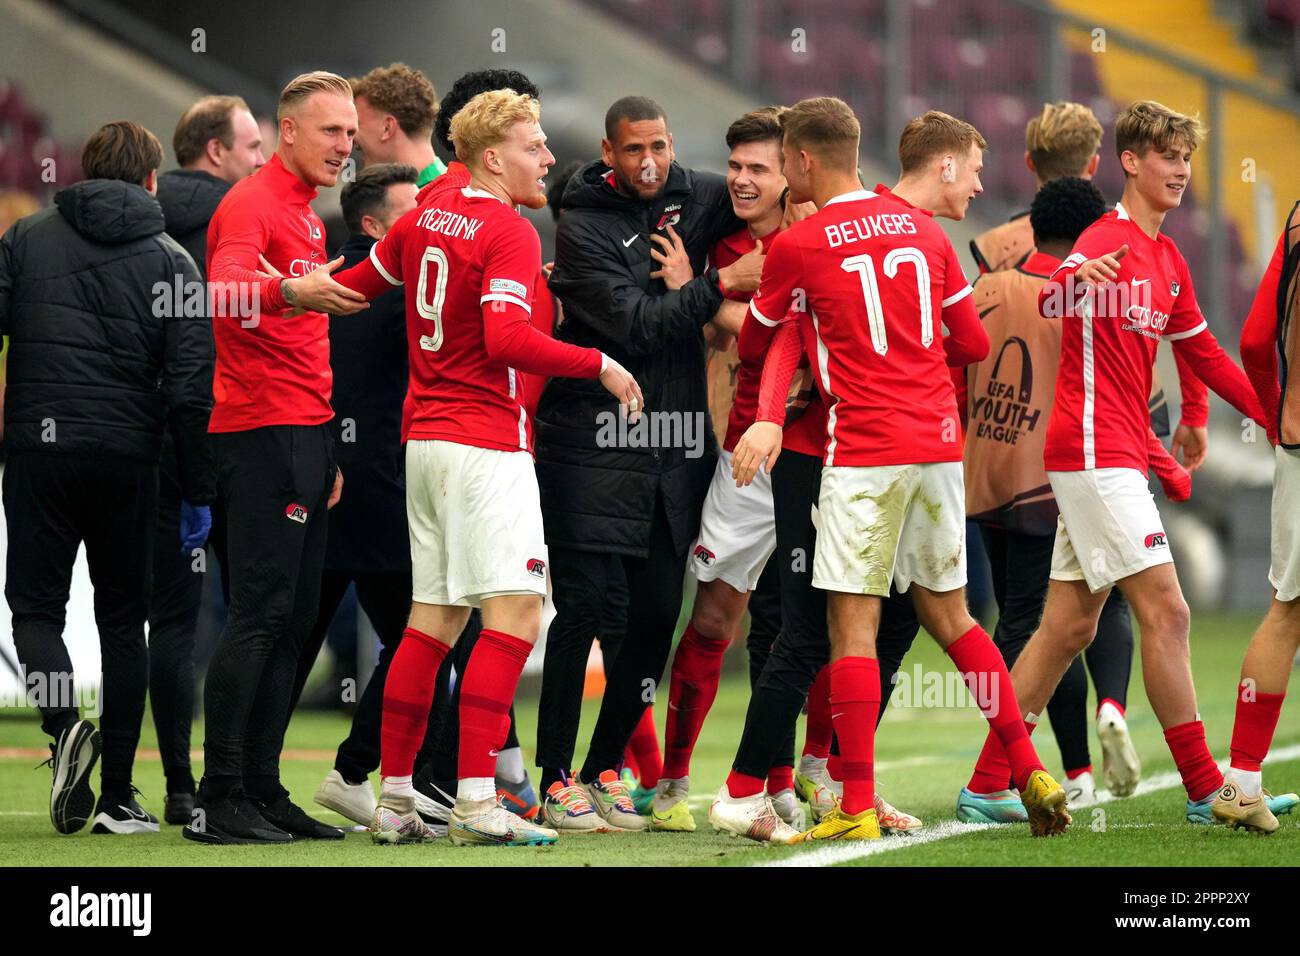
[510, 765]
[476, 789]
[1249, 782]
[679, 786]
[811, 766]
[396, 786]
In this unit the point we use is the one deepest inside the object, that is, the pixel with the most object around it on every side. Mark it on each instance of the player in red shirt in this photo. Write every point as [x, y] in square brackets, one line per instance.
[737, 529]
[470, 262]
[1268, 332]
[1123, 288]
[873, 281]
[276, 475]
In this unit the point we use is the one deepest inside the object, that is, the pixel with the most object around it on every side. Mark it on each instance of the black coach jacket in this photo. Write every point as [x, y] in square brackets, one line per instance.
[600, 481]
[189, 198]
[369, 357]
[108, 333]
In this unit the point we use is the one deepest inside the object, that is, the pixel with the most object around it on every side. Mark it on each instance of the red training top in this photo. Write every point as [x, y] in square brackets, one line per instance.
[272, 369]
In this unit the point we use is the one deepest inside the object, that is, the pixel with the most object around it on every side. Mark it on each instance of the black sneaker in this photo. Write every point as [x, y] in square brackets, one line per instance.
[117, 816]
[179, 809]
[292, 819]
[229, 820]
[72, 758]
[434, 802]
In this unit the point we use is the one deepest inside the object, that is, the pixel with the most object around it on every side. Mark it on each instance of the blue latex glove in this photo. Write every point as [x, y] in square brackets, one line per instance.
[196, 522]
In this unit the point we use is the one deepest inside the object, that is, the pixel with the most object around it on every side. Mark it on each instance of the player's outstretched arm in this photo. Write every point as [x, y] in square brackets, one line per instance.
[1213, 366]
[365, 279]
[966, 341]
[1085, 267]
[762, 440]
[237, 258]
[1192, 436]
[1174, 478]
[1259, 342]
[319, 292]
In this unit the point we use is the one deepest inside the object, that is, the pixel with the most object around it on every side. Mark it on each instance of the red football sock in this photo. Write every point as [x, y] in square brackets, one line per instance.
[818, 733]
[986, 675]
[487, 687]
[644, 747]
[1252, 733]
[1201, 776]
[743, 785]
[834, 769]
[697, 667]
[1072, 774]
[992, 769]
[408, 695]
[780, 778]
[855, 704]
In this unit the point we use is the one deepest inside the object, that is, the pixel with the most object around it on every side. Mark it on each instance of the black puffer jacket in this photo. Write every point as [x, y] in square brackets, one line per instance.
[99, 356]
[188, 198]
[601, 498]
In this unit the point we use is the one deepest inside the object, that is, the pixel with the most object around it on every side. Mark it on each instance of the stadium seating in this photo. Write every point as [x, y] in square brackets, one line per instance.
[24, 143]
[976, 53]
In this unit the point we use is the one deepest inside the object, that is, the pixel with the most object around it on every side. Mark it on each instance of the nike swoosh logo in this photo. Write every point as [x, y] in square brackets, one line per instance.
[987, 311]
[833, 716]
[493, 753]
[629, 242]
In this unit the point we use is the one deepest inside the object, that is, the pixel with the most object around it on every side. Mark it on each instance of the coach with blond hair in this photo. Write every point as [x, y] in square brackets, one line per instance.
[276, 475]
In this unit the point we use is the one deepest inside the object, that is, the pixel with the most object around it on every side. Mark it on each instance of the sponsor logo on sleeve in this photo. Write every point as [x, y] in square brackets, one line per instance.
[704, 555]
[1156, 540]
[536, 567]
[509, 286]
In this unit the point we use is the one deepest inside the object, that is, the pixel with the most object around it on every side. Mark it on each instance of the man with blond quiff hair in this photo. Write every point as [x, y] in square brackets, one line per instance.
[275, 464]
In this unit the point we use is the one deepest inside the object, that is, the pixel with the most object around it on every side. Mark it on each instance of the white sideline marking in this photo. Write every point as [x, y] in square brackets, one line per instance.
[845, 853]
[831, 855]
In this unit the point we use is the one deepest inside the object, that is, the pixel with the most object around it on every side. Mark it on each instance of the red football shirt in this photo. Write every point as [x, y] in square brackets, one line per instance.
[745, 404]
[870, 277]
[272, 369]
[470, 264]
[1259, 346]
[1108, 345]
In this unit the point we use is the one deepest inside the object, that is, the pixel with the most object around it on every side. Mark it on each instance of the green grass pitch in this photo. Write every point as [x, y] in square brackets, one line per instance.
[923, 756]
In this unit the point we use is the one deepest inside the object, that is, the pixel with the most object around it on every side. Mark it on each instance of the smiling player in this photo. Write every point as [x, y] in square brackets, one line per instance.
[470, 261]
[1123, 288]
